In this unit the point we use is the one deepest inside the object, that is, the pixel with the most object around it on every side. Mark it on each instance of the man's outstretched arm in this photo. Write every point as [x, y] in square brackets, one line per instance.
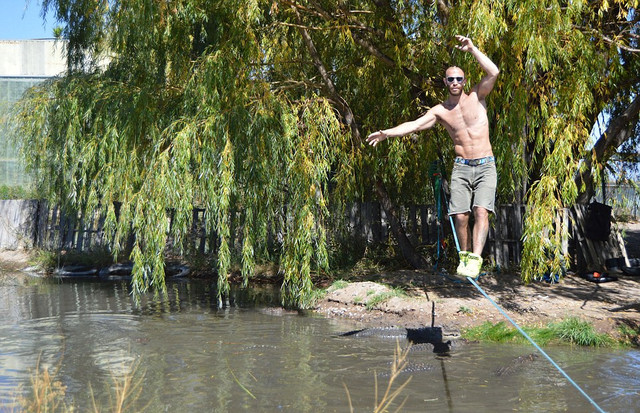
[426, 121]
[486, 83]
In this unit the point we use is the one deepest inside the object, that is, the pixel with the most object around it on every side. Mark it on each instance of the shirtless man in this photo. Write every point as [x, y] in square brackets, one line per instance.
[473, 179]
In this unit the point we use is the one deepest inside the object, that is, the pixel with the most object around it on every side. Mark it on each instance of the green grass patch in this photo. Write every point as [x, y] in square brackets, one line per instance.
[629, 336]
[571, 330]
[465, 310]
[338, 285]
[376, 299]
[576, 331]
[316, 295]
[499, 333]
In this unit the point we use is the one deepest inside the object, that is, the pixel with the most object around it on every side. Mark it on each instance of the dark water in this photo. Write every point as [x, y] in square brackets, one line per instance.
[194, 357]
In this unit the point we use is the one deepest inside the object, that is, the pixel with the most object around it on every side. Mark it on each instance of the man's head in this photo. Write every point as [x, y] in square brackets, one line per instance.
[454, 80]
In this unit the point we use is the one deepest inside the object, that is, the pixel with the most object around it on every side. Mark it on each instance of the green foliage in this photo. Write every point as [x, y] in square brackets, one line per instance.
[465, 310]
[571, 330]
[46, 260]
[374, 299]
[630, 335]
[316, 295]
[17, 192]
[255, 111]
[338, 285]
[488, 331]
[576, 331]
[209, 133]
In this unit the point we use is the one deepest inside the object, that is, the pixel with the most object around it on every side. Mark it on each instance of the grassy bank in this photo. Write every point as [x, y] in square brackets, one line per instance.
[568, 331]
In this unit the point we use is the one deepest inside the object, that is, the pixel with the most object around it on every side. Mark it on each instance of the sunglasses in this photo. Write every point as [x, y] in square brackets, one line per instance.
[458, 79]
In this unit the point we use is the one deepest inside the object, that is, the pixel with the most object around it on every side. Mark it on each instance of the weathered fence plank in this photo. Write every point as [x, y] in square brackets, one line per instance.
[32, 223]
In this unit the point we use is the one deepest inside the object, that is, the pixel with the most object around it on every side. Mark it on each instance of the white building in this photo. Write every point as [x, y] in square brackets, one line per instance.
[23, 63]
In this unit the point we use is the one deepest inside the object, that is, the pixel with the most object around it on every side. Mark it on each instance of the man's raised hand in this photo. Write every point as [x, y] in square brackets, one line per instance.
[466, 45]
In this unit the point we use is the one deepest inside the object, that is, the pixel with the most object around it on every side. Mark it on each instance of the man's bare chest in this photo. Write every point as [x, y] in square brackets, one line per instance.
[465, 115]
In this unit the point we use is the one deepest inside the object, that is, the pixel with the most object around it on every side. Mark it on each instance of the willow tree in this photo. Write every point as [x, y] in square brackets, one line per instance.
[251, 108]
[182, 115]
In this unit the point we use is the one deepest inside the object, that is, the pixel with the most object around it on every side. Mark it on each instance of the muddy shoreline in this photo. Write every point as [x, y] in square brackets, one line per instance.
[456, 306]
[436, 300]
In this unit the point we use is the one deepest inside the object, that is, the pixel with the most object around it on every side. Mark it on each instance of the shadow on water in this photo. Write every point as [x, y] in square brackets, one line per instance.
[254, 356]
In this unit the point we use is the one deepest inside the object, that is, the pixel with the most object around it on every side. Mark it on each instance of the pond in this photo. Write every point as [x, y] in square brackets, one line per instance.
[188, 355]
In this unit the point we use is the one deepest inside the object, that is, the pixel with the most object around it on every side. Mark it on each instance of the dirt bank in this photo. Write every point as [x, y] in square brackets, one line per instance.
[11, 260]
[455, 305]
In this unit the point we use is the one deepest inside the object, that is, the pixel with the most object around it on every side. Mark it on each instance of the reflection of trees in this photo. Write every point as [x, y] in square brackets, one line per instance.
[71, 325]
[195, 357]
[192, 354]
[274, 364]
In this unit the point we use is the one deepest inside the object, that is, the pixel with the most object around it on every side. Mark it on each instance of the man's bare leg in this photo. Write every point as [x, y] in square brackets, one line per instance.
[480, 229]
[464, 237]
[462, 230]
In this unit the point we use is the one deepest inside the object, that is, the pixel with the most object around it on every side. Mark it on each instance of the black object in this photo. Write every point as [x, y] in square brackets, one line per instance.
[633, 269]
[619, 266]
[597, 277]
[613, 265]
[598, 222]
[421, 335]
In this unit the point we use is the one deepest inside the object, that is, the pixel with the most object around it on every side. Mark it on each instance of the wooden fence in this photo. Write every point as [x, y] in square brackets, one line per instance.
[32, 223]
[368, 221]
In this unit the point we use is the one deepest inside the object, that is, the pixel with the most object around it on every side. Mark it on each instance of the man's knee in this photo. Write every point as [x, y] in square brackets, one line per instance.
[480, 213]
[461, 218]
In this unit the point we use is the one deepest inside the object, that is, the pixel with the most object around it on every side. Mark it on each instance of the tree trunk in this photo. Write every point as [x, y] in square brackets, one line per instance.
[407, 250]
[618, 131]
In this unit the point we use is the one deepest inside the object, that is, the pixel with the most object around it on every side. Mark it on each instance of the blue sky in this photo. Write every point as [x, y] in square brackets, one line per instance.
[20, 19]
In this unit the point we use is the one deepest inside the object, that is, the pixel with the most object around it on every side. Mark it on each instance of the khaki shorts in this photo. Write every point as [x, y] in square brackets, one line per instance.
[473, 186]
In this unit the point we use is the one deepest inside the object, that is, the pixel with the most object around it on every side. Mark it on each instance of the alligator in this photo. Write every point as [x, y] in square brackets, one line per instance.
[431, 336]
[515, 365]
[409, 368]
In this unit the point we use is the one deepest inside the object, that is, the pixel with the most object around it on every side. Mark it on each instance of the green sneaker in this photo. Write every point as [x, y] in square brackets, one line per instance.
[474, 264]
[462, 267]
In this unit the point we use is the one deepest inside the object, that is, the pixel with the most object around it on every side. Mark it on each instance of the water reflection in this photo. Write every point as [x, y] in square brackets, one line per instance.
[195, 357]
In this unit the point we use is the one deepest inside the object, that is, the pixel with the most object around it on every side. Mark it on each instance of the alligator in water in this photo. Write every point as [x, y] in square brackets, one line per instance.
[516, 365]
[409, 368]
[424, 335]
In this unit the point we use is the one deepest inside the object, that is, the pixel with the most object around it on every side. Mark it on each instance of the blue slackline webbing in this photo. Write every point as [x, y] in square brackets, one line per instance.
[472, 281]
[455, 237]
